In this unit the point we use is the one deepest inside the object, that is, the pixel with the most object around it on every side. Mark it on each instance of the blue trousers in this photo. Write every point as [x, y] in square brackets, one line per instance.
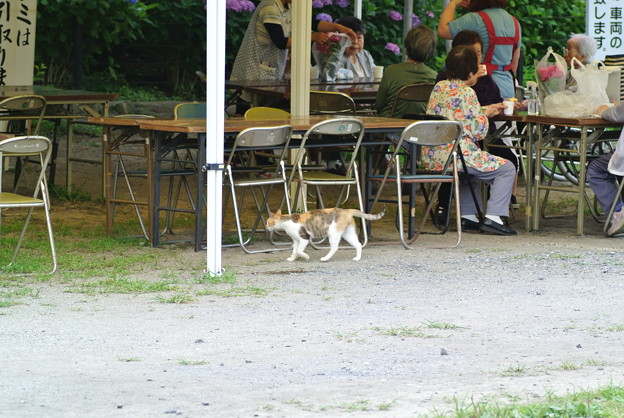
[602, 183]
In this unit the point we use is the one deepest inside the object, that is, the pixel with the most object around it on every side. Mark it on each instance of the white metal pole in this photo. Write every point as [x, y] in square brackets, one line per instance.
[408, 9]
[300, 57]
[215, 98]
[357, 9]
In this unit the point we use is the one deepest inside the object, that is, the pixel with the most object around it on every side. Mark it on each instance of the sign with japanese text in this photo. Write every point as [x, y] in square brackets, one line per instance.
[18, 20]
[604, 24]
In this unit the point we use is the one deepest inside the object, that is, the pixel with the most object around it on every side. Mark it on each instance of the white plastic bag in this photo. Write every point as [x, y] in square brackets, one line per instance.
[550, 73]
[328, 56]
[591, 92]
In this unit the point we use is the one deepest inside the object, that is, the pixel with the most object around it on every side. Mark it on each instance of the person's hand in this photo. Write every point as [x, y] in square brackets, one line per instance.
[601, 109]
[462, 3]
[493, 109]
[320, 37]
[482, 71]
[347, 31]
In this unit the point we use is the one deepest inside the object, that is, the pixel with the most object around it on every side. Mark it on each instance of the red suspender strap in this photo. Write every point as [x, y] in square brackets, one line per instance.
[498, 40]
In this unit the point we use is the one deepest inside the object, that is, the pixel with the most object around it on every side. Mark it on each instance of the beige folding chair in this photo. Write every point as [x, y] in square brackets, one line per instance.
[259, 180]
[331, 102]
[38, 148]
[422, 136]
[348, 133]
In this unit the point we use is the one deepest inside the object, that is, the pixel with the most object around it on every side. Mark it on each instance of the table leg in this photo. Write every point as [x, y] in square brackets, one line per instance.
[153, 176]
[582, 147]
[528, 175]
[201, 187]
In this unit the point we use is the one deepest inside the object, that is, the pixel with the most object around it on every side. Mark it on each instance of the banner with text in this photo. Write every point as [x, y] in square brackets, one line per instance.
[18, 20]
[604, 24]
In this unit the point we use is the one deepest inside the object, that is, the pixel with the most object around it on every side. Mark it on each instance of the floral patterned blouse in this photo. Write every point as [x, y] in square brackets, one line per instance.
[456, 101]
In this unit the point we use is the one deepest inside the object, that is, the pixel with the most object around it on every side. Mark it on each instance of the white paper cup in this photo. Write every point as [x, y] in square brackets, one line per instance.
[509, 107]
[483, 69]
[314, 73]
[378, 71]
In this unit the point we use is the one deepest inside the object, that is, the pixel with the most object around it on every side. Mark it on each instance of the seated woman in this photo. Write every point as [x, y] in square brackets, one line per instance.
[356, 58]
[420, 45]
[582, 47]
[455, 100]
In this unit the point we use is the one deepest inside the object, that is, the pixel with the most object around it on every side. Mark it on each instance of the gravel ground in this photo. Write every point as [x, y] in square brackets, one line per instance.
[400, 333]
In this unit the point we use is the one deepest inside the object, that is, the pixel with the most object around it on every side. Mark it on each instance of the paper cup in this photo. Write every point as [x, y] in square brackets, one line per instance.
[314, 73]
[483, 69]
[509, 107]
[378, 71]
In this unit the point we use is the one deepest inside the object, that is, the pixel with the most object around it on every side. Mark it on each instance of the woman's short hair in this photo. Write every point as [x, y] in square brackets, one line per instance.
[353, 23]
[466, 37]
[460, 62]
[420, 43]
[478, 5]
[586, 46]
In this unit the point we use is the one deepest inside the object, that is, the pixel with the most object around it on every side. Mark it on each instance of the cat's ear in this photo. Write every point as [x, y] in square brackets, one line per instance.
[278, 213]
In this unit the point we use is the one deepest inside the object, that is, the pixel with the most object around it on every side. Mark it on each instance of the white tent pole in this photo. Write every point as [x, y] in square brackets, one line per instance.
[357, 9]
[300, 57]
[215, 98]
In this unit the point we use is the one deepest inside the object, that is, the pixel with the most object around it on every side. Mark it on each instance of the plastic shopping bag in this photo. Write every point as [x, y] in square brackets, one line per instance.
[329, 55]
[591, 80]
[550, 73]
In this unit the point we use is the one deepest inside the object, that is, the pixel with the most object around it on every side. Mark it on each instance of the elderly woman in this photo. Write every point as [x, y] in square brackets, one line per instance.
[581, 47]
[500, 34]
[356, 58]
[420, 45]
[456, 100]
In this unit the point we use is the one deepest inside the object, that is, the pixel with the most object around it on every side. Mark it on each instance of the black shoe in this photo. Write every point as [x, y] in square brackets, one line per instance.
[441, 217]
[491, 227]
[468, 225]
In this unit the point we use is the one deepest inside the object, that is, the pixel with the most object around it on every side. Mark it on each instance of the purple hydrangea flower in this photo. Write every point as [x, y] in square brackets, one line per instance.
[325, 17]
[394, 15]
[132, 1]
[317, 4]
[415, 20]
[342, 3]
[240, 5]
[394, 48]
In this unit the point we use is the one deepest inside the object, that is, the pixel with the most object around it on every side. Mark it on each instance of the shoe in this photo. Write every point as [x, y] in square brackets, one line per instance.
[441, 216]
[514, 203]
[468, 225]
[617, 224]
[491, 227]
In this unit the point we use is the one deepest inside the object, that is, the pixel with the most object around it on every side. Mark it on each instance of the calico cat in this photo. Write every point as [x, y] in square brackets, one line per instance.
[334, 223]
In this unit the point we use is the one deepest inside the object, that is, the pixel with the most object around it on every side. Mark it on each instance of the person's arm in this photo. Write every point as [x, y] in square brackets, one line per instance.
[515, 59]
[276, 33]
[448, 15]
[611, 113]
[324, 26]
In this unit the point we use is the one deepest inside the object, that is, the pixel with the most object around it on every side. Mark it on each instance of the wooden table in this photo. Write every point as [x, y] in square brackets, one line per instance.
[549, 138]
[158, 134]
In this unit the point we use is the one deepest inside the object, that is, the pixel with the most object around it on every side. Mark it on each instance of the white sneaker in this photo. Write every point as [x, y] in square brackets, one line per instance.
[617, 223]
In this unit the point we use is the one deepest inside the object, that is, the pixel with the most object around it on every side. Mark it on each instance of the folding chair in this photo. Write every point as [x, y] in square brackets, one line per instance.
[322, 134]
[413, 93]
[265, 113]
[190, 110]
[438, 133]
[39, 148]
[246, 175]
[17, 110]
[607, 224]
[331, 102]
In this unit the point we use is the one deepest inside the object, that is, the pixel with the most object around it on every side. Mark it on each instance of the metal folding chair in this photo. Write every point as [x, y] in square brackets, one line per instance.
[320, 135]
[40, 149]
[415, 93]
[438, 133]
[260, 180]
[331, 102]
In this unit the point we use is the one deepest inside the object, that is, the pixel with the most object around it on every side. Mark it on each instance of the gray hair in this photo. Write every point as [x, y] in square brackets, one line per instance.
[586, 46]
[420, 43]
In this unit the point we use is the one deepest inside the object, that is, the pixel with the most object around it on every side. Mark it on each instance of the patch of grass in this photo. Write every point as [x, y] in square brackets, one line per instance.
[356, 406]
[515, 370]
[565, 365]
[592, 362]
[178, 298]
[349, 337]
[74, 194]
[441, 325]
[123, 285]
[128, 359]
[616, 328]
[234, 292]
[226, 277]
[605, 402]
[403, 331]
[192, 362]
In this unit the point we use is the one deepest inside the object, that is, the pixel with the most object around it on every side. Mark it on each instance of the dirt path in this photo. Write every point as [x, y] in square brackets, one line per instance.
[398, 334]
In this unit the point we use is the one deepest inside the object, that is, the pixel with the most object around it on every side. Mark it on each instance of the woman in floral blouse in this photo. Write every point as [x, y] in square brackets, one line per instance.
[456, 100]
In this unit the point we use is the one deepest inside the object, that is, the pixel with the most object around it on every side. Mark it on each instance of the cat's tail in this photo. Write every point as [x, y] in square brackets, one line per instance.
[369, 216]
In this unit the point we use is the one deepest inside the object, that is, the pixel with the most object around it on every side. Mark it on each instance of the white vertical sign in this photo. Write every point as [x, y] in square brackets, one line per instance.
[18, 20]
[605, 24]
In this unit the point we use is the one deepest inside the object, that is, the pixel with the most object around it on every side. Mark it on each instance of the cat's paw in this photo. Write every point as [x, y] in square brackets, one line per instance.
[304, 256]
[357, 258]
[325, 258]
[292, 258]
